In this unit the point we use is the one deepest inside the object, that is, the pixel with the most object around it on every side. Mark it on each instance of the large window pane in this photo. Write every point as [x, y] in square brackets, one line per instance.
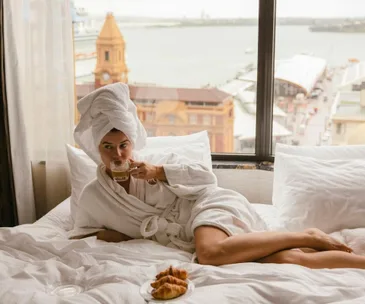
[190, 65]
[320, 72]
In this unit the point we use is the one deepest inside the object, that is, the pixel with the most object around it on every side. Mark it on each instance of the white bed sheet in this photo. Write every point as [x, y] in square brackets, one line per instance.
[37, 259]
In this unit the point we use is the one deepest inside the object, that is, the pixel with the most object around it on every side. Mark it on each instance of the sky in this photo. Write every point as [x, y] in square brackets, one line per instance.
[224, 8]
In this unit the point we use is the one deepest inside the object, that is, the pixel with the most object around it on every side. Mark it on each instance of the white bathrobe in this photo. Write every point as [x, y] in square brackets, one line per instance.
[165, 212]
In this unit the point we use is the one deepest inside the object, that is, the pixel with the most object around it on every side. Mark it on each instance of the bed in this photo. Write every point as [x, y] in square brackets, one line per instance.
[38, 264]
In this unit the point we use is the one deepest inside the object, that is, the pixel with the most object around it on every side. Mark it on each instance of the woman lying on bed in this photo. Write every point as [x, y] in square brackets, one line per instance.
[177, 202]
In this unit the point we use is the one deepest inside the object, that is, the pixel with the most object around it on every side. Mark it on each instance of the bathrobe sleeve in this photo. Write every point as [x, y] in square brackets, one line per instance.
[186, 178]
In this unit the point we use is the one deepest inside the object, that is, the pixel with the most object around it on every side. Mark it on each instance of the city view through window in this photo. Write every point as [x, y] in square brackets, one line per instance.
[192, 66]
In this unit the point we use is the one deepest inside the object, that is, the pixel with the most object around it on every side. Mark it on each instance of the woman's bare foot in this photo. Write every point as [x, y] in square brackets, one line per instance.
[324, 242]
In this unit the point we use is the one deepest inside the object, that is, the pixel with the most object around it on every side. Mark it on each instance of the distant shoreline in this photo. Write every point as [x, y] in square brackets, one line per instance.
[231, 21]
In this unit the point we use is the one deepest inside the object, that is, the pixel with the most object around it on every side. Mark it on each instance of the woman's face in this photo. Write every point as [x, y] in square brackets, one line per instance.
[115, 146]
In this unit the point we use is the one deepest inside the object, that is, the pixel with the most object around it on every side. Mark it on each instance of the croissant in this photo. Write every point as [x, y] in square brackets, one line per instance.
[169, 279]
[175, 272]
[168, 291]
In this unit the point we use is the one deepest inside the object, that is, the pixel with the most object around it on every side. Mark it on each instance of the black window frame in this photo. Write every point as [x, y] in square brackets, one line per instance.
[265, 88]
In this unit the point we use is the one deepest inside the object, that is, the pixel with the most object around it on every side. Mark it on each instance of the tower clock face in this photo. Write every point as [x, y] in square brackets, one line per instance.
[106, 76]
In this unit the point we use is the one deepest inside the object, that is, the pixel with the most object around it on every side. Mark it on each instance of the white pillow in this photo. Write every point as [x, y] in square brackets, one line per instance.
[318, 152]
[163, 142]
[326, 194]
[323, 152]
[83, 169]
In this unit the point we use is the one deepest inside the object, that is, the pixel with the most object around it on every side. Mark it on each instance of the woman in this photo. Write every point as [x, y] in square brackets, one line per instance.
[177, 202]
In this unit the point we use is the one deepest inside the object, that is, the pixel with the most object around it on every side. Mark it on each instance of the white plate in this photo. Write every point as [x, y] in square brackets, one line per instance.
[146, 290]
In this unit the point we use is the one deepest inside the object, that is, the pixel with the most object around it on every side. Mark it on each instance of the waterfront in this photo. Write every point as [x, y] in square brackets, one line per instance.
[194, 57]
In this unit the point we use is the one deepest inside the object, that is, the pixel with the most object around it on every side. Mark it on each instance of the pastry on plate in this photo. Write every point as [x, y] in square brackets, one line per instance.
[181, 274]
[168, 291]
[169, 279]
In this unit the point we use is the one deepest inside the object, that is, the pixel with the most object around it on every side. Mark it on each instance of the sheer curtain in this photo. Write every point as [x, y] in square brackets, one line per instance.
[40, 86]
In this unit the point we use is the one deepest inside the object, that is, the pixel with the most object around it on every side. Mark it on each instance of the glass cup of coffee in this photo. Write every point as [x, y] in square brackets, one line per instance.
[120, 170]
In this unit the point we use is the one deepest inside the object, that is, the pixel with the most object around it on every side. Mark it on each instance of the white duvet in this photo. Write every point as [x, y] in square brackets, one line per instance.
[37, 259]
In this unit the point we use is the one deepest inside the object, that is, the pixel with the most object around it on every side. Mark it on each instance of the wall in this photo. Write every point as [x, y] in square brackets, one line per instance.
[348, 128]
[255, 185]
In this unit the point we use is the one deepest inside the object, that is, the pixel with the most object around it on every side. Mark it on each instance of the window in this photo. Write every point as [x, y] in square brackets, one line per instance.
[171, 119]
[284, 77]
[315, 79]
[339, 129]
[185, 74]
[193, 119]
[150, 116]
[206, 120]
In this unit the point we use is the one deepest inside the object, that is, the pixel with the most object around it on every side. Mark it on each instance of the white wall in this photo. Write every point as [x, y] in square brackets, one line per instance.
[255, 185]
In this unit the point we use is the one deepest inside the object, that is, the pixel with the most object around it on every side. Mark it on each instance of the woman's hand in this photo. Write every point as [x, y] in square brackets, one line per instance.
[142, 170]
[324, 242]
[112, 236]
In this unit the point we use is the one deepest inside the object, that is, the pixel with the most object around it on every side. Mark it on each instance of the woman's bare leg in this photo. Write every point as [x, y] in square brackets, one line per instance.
[215, 247]
[316, 260]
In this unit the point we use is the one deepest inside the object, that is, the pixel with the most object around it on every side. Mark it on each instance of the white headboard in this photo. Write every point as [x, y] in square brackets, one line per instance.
[255, 185]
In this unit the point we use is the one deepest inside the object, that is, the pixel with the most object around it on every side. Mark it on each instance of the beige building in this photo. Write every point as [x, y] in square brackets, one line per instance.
[110, 51]
[163, 111]
[348, 117]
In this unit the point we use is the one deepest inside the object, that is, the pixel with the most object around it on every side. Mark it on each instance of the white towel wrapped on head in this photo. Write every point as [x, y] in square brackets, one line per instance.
[104, 109]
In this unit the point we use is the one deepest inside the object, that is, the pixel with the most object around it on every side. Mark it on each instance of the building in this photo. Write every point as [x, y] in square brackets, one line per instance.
[181, 111]
[354, 74]
[243, 89]
[245, 131]
[298, 75]
[111, 66]
[348, 116]
[163, 111]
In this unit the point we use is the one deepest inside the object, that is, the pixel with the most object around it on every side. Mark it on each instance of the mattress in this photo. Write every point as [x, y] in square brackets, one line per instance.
[38, 264]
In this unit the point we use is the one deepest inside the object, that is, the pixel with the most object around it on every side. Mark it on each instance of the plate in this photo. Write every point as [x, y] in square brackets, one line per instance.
[146, 290]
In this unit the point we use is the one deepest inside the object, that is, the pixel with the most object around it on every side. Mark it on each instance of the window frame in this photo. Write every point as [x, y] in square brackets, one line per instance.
[265, 88]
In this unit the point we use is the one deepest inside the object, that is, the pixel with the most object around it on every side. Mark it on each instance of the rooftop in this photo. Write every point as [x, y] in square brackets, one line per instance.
[301, 70]
[354, 74]
[233, 86]
[144, 92]
[110, 29]
[84, 89]
[183, 94]
[248, 100]
[245, 125]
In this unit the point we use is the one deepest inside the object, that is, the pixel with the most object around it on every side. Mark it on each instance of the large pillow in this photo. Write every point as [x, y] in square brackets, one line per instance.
[162, 142]
[318, 152]
[326, 194]
[324, 152]
[83, 169]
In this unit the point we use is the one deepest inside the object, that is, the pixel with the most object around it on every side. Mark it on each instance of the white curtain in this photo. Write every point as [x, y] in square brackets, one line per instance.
[40, 91]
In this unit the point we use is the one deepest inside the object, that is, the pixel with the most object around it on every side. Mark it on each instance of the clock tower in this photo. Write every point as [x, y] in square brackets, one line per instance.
[110, 48]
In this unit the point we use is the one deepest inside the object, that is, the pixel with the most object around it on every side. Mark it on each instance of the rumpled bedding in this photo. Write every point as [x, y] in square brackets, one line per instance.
[36, 260]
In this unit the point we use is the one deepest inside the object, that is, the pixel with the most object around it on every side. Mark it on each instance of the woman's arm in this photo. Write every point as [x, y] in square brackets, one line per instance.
[186, 178]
